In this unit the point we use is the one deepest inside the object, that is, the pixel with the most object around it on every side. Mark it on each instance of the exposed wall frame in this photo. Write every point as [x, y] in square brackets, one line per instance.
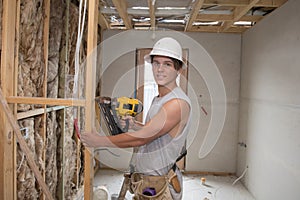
[9, 66]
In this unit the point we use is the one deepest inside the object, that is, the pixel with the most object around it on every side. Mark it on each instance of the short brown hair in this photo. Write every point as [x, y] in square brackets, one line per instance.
[177, 63]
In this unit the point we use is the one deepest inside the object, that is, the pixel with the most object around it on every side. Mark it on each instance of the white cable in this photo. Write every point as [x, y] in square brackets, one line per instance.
[78, 43]
[23, 155]
[21, 163]
[243, 174]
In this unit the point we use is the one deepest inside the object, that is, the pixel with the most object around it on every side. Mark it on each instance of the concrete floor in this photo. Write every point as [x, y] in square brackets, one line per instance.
[215, 187]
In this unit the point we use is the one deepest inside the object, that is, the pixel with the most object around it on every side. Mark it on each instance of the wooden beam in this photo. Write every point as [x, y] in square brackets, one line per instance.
[213, 17]
[61, 184]
[142, 24]
[270, 3]
[251, 18]
[7, 80]
[193, 14]
[261, 3]
[46, 43]
[16, 69]
[121, 6]
[241, 11]
[35, 112]
[24, 147]
[46, 101]
[237, 14]
[226, 2]
[216, 17]
[226, 25]
[8, 46]
[90, 94]
[215, 29]
[102, 21]
[46, 53]
[151, 5]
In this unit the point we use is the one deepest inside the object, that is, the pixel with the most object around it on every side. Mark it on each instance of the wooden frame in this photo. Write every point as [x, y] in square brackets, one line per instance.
[7, 149]
[9, 115]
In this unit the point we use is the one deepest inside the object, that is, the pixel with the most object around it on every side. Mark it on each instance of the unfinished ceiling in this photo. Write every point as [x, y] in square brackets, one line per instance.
[234, 16]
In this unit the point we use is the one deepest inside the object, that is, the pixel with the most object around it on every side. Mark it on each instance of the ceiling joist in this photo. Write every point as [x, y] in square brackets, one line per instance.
[194, 13]
[213, 17]
[216, 29]
[121, 6]
[261, 3]
[151, 5]
[237, 14]
[198, 15]
[102, 21]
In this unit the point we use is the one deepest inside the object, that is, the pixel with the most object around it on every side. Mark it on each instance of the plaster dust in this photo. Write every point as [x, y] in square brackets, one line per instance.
[214, 187]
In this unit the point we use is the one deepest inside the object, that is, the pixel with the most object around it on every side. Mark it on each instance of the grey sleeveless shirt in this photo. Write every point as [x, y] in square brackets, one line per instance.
[158, 156]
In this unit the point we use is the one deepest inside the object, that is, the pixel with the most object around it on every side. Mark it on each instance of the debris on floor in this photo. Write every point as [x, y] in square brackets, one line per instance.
[194, 186]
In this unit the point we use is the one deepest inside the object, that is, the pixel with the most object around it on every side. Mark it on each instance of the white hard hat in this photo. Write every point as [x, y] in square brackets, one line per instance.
[166, 47]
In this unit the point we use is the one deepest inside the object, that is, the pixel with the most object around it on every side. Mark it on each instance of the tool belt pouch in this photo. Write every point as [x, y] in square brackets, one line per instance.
[150, 187]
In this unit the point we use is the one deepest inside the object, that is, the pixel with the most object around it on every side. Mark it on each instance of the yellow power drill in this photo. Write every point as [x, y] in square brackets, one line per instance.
[125, 106]
[115, 109]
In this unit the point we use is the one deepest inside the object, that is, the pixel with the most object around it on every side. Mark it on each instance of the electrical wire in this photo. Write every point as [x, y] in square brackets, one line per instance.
[234, 182]
[21, 163]
[239, 178]
[81, 22]
[23, 155]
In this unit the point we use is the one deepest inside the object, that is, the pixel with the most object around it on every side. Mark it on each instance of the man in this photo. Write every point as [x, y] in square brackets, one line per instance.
[161, 140]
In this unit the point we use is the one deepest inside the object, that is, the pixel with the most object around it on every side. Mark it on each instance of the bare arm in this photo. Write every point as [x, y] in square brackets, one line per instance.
[171, 117]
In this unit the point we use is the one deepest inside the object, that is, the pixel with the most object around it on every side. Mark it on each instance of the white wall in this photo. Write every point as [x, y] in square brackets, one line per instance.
[270, 105]
[225, 51]
[214, 60]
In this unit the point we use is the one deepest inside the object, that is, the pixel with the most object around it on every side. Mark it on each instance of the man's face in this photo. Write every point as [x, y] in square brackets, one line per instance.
[163, 71]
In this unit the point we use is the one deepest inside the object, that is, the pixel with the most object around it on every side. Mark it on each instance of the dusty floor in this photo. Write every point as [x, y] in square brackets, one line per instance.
[215, 187]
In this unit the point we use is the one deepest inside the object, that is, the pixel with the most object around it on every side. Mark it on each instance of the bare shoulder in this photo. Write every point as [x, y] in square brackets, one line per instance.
[177, 105]
[177, 102]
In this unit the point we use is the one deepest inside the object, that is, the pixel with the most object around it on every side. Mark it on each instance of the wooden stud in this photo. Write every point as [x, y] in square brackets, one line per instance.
[61, 182]
[90, 94]
[45, 46]
[16, 70]
[7, 167]
[46, 43]
[140, 78]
